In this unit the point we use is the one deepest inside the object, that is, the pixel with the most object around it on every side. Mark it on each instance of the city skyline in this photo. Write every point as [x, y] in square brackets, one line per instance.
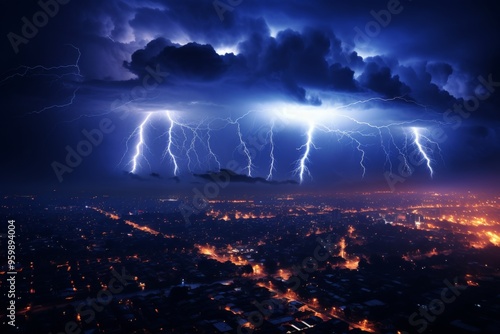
[411, 262]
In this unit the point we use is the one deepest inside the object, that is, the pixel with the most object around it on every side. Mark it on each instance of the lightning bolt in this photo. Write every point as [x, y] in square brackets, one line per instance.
[245, 150]
[350, 135]
[182, 138]
[139, 132]
[358, 134]
[193, 138]
[402, 154]
[386, 145]
[418, 142]
[57, 72]
[242, 143]
[168, 150]
[24, 70]
[210, 151]
[192, 147]
[301, 163]
[70, 102]
[271, 152]
[380, 99]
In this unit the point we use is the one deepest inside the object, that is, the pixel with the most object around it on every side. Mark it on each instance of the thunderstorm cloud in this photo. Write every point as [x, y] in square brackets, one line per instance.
[380, 61]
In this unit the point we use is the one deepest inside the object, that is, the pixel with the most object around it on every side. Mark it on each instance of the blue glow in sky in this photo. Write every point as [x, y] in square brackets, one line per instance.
[319, 93]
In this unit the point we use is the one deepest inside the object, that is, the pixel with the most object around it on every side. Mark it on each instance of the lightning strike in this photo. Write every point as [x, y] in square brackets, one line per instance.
[421, 149]
[140, 144]
[192, 146]
[57, 72]
[193, 138]
[351, 136]
[302, 168]
[168, 150]
[271, 153]
[242, 143]
[51, 71]
[210, 151]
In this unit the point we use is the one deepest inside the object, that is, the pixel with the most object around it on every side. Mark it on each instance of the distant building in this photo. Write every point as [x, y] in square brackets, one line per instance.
[414, 219]
[390, 218]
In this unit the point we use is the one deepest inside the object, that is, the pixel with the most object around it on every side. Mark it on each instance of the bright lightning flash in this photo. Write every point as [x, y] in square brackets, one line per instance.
[423, 150]
[139, 131]
[271, 153]
[193, 138]
[242, 143]
[301, 163]
[356, 131]
[168, 150]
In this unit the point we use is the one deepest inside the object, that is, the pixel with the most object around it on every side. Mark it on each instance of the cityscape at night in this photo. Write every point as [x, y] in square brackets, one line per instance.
[247, 166]
[329, 263]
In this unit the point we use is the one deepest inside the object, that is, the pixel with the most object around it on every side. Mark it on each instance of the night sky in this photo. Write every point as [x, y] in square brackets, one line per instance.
[333, 93]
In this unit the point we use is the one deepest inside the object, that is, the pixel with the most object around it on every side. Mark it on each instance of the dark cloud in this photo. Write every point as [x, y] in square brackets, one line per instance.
[342, 78]
[380, 80]
[190, 61]
[354, 60]
[133, 176]
[228, 176]
[423, 87]
[475, 150]
[440, 72]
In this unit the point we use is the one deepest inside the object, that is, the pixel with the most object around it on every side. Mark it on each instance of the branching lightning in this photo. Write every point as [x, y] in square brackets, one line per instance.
[423, 150]
[272, 167]
[139, 147]
[168, 150]
[50, 71]
[190, 143]
[210, 151]
[67, 104]
[301, 163]
[243, 145]
[57, 72]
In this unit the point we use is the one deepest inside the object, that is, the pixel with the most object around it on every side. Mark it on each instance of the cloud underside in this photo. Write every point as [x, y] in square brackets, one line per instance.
[226, 176]
[293, 65]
